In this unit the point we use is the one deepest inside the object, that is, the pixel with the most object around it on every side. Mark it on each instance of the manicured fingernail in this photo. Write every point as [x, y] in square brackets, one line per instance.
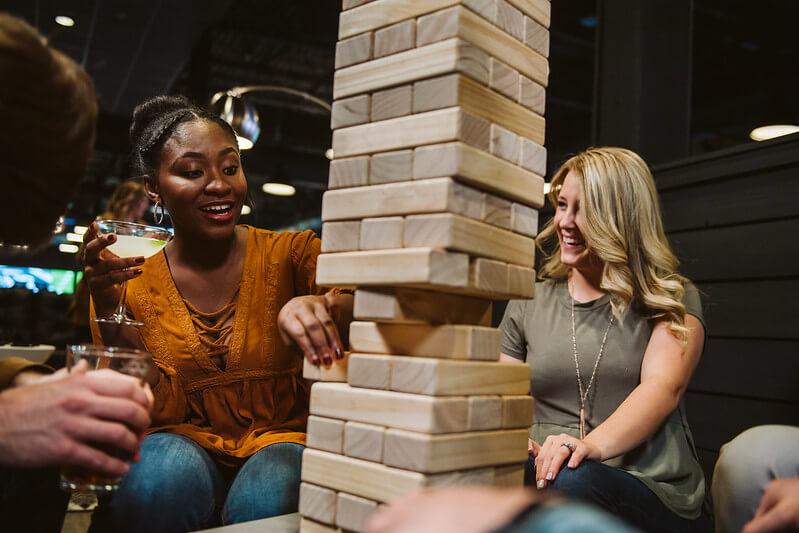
[541, 484]
[339, 354]
[137, 271]
[327, 358]
[314, 359]
[139, 260]
[549, 476]
[111, 238]
[571, 465]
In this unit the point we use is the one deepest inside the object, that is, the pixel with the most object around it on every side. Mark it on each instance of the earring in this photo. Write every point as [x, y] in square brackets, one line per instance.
[159, 217]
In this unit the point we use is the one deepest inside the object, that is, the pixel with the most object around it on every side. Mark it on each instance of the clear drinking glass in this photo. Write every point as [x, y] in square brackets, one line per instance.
[136, 363]
[133, 240]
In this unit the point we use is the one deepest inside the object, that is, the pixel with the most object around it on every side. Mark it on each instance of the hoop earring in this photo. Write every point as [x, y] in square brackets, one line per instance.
[159, 217]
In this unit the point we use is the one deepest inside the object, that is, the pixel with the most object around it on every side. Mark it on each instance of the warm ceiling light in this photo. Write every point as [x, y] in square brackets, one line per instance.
[80, 230]
[63, 20]
[547, 188]
[244, 142]
[764, 133]
[329, 153]
[279, 189]
[245, 210]
[68, 248]
[74, 237]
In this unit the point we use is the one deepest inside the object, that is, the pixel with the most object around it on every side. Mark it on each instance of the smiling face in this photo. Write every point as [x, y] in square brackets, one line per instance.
[574, 251]
[200, 180]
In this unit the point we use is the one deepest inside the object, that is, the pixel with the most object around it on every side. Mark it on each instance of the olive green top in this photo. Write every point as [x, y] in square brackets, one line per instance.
[541, 330]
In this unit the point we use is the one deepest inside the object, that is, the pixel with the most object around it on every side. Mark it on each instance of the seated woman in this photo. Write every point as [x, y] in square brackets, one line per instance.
[221, 305]
[612, 337]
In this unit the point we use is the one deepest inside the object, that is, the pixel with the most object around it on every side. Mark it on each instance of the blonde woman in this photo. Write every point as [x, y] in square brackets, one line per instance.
[612, 337]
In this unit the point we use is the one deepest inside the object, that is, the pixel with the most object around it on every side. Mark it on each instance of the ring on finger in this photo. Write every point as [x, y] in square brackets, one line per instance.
[569, 445]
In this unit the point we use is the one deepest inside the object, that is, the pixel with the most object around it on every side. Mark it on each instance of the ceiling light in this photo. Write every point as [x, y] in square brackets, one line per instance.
[329, 153]
[245, 210]
[240, 114]
[63, 20]
[764, 133]
[68, 248]
[244, 142]
[279, 189]
[74, 237]
[547, 188]
[80, 230]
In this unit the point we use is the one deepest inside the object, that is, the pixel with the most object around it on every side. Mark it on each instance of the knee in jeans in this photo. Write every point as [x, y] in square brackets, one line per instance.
[579, 481]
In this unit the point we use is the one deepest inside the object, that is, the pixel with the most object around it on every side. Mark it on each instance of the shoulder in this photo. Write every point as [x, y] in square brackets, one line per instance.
[692, 301]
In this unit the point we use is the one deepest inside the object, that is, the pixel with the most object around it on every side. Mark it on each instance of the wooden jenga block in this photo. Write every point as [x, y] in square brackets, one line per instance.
[364, 441]
[443, 125]
[392, 103]
[521, 281]
[354, 50]
[370, 371]
[382, 13]
[441, 377]
[452, 55]
[509, 476]
[538, 10]
[407, 198]
[427, 414]
[349, 172]
[489, 275]
[505, 144]
[380, 233]
[533, 157]
[325, 434]
[448, 341]
[503, 79]
[341, 236]
[517, 411]
[436, 93]
[309, 526]
[523, 219]
[436, 26]
[532, 96]
[536, 36]
[510, 19]
[349, 4]
[463, 234]
[479, 169]
[421, 267]
[318, 503]
[353, 512]
[395, 38]
[350, 111]
[334, 372]
[391, 166]
[485, 412]
[412, 306]
[497, 211]
[443, 453]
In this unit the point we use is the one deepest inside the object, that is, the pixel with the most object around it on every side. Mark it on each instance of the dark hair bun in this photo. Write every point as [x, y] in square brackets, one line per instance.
[154, 108]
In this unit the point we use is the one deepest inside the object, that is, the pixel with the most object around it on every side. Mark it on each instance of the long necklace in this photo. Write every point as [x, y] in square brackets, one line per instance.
[583, 394]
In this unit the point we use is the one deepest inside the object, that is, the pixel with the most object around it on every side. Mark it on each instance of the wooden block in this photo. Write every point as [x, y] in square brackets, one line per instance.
[443, 125]
[425, 267]
[349, 172]
[450, 341]
[497, 211]
[524, 219]
[341, 236]
[451, 55]
[485, 8]
[364, 441]
[350, 111]
[436, 93]
[503, 79]
[442, 377]
[533, 157]
[536, 36]
[413, 306]
[380, 233]
[395, 38]
[505, 144]
[510, 19]
[317, 503]
[391, 166]
[485, 412]
[436, 26]
[455, 232]
[354, 511]
[382, 13]
[489, 275]
[532, 95]
[443, 453]
[370, 371]
[334, 372]
[521, 281]
[407, 198]
[427, 414]
[538, 10]
[479, 169]
[509, 476]
[349, 4]
[325, 434]
[392, 103]
[309, 526]
[353, 51]
[517, 411]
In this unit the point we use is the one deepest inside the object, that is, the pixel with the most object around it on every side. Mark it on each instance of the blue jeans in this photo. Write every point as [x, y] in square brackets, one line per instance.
[177, 486]
[620, 494]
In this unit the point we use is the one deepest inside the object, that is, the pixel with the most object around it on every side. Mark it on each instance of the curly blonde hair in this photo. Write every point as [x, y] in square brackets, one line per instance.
[622, 226]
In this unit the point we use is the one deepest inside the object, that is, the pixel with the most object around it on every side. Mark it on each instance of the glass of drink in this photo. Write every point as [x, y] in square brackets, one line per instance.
[133, 240]
[136, 363]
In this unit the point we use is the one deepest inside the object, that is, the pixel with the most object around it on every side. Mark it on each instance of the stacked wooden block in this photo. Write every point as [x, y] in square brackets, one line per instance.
[431, 213]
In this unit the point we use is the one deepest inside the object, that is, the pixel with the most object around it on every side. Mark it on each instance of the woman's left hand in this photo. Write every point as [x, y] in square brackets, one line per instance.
[308, 322]
[555, 450]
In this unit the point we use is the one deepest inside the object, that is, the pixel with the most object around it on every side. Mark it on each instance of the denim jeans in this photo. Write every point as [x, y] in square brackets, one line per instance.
[620, 494]
[177, 486]
[31, 500]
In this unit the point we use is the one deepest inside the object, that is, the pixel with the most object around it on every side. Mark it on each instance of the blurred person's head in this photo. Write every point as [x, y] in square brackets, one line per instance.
[128, 203]
[48, 113]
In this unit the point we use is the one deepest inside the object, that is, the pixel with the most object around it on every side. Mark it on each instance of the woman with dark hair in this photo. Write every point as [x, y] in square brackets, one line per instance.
[222, 305]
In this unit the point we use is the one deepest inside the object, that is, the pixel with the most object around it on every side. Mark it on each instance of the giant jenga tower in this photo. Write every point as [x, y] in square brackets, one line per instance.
[431, 213]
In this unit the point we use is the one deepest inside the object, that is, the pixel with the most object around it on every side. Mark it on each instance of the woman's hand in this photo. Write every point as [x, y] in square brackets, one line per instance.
[533, 448]
[309, 323]
[779, 508]
[104, 271]
[555, 450]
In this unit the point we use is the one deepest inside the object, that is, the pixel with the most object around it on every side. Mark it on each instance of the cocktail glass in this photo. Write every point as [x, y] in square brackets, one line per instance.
[133, 240]
[136, 363]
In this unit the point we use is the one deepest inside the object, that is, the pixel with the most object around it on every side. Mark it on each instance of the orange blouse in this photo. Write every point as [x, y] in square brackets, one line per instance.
[260, 397]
